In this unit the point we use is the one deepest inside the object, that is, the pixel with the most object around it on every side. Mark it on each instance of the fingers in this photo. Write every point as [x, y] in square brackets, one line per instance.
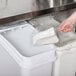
[61, 27]
[65, 26]
[66, 30]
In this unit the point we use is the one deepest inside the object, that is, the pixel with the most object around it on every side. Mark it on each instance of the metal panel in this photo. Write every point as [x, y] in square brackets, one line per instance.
[38, 8]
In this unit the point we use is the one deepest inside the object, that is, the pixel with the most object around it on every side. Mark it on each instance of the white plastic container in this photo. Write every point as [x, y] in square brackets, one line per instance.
[65, 64]
[19, 57]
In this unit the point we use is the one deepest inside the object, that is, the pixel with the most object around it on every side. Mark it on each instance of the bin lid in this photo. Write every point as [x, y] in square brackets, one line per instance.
[21, 38]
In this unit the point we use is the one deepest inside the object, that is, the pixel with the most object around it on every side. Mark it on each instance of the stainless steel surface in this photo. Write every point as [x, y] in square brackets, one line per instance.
[15, 7]
[42, 4]
[42, 7]
[46, 4]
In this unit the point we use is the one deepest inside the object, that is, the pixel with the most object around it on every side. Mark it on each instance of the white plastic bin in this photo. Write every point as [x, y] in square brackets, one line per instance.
[65, 64]
[20, 57]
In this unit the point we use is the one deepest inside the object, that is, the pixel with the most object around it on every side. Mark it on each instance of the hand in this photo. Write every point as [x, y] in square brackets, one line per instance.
[68, 24]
